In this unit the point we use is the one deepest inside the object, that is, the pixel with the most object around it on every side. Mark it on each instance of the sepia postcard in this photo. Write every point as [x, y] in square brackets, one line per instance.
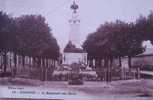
[76, 49]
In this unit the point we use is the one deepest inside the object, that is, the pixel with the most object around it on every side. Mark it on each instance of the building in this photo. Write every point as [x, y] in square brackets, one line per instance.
[144, 59]
[73, 53]
[140, 64]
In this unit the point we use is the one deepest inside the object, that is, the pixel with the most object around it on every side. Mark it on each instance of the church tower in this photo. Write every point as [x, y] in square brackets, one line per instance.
[74, 23]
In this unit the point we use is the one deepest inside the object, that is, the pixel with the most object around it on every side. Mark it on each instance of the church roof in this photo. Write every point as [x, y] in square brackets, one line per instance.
[71, 48]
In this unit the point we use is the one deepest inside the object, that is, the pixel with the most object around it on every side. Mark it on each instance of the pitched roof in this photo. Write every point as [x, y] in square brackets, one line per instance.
[147, 52]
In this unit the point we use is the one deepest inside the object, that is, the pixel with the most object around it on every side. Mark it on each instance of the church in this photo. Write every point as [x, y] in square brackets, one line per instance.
[73, 52]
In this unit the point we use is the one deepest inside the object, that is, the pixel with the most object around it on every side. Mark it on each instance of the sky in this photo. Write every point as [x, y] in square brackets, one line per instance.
[92, 13]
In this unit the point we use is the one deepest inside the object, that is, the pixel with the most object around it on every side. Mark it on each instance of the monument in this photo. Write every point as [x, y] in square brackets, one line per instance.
[73, 53]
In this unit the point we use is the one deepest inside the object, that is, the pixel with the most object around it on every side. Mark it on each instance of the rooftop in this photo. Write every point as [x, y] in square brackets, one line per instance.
[147, 52]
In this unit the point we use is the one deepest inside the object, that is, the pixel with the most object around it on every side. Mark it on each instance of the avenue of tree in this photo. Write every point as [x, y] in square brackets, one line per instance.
[27, 35]
[30, 36]
[115, 40]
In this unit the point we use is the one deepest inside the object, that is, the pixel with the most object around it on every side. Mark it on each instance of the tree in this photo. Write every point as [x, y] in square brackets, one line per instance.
[35, 36]
[99, 46]
[144, 26]
[113, 40]
[128, 42]
[28, 35]
[36, 39]
[149, 31]
[5, 38]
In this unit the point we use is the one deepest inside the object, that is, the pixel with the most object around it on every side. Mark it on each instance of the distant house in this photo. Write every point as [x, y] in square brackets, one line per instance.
[144, 59]
[71, 54]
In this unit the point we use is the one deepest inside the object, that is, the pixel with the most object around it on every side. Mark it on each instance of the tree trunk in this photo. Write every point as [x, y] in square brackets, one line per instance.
[138, 73]
[1, 61]
[96, 62]
[30, 64]
[130, 66]
[39, 62]
[23, 60]
[5, 61]
[110, 69]
[99, 62]
[107, 69]
[91, 63]
[120, 61]
[10, 61]
[15, 65]
[99, 69]
[54, 63]
[129, 63]
[43, 69]
[47, 68]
